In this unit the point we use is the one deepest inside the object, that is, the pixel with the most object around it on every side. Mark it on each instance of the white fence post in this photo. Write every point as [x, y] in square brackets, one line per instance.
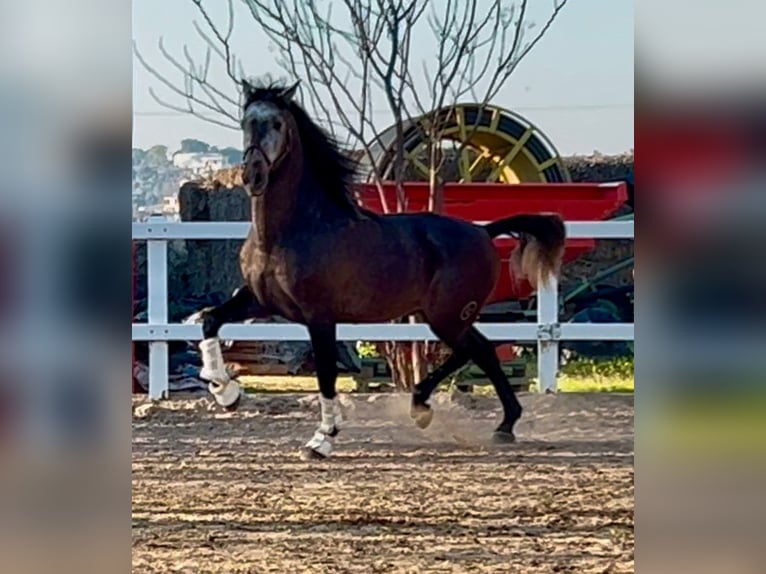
[157, 311]
[548, 333]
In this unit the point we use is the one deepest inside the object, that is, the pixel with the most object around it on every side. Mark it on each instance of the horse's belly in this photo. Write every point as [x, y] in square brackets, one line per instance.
[379, 313]
[378, 301]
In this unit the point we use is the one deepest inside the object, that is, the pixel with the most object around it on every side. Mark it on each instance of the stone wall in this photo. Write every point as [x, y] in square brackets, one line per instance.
[213, 266]
[200, 272]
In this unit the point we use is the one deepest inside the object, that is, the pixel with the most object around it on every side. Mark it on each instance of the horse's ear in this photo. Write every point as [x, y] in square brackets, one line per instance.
[288, 93]
[247, 88]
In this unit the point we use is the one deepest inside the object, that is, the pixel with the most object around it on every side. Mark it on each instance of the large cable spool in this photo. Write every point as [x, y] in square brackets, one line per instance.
[488, 143]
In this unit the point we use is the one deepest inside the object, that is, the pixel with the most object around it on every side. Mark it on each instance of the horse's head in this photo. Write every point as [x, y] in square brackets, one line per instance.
[267, 125]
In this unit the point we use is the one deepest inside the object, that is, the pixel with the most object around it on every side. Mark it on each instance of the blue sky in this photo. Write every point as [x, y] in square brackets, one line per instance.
[576, 85]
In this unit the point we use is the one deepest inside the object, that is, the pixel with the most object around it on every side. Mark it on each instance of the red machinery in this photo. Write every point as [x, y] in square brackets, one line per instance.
[489, 201]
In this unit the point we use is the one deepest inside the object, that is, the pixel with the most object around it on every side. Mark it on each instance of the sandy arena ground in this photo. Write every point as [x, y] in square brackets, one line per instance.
[229, 493]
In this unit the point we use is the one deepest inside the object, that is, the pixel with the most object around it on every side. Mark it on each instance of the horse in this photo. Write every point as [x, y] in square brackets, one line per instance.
[316, 257]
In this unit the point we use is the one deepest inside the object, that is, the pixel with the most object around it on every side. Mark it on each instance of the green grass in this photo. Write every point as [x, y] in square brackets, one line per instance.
[291, 384]
[569, 384]
[577, 377]
[588, 376]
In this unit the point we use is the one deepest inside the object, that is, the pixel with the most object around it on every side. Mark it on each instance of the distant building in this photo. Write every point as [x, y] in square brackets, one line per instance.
[200, 163]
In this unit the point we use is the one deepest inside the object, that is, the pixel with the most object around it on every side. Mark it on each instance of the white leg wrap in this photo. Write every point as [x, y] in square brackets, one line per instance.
[320, 443]
[331, 417]
[213, 368]
[328, 407]
[225, 391]
[225, 394]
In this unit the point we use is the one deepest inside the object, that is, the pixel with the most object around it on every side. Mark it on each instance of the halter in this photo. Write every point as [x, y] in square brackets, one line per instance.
[270, 166]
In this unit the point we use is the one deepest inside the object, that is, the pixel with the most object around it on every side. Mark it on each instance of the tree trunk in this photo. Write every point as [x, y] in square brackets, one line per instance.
[419, 359]
[435, 185]
[397, 354]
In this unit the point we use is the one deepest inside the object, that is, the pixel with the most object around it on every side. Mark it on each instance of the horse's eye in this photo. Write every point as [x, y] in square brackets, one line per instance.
[277, 125]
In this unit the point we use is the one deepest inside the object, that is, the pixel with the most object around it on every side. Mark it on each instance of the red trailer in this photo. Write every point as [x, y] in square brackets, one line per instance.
[489, 201]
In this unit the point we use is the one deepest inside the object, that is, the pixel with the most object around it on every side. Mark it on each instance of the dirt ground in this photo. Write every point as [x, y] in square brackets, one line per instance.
[229, 493]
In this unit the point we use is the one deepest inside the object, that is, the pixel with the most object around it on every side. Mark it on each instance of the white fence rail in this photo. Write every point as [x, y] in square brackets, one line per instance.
[547, 332]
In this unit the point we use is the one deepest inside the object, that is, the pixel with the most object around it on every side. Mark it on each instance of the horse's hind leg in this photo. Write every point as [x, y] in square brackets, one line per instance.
[483, 354]
[420, 410]
[241, 306]
[323, 343]
[469, 344]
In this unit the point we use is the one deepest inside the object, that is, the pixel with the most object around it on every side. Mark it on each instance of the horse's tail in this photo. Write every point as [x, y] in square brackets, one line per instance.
[541, 244]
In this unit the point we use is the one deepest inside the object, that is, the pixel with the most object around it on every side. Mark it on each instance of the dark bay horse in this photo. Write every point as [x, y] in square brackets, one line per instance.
[315, 257]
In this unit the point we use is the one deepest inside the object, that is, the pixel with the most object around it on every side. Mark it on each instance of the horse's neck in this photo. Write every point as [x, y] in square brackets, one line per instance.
[285, 206]
[271, 219]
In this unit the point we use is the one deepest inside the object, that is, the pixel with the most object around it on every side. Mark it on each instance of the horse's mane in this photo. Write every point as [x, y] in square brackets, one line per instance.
[332, 168]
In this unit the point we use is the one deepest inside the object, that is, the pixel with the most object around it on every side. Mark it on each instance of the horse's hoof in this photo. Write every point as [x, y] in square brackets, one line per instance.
[503, 437]
[422, 414]
[228, 395]
[308, 453]
[233, 406]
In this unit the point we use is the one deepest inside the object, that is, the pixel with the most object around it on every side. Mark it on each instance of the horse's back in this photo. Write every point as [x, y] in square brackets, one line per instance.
[453, 249]
[447, 235]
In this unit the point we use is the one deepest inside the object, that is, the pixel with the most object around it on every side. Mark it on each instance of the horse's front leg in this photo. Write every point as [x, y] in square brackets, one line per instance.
[323, 342]
[242, 305]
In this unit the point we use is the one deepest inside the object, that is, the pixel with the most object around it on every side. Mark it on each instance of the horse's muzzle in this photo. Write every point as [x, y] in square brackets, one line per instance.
[255, 174]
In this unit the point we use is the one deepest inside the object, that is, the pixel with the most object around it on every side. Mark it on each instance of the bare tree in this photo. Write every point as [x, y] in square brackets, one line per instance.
[347, 51]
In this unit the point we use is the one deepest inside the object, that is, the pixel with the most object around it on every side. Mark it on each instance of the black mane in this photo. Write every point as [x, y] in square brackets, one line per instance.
[333, 169]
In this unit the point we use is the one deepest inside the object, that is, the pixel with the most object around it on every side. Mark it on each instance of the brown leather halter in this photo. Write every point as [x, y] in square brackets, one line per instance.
[270, 166]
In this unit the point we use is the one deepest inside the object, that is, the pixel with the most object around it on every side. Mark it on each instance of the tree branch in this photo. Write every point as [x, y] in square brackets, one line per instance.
[222, 39]
[186, 93]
